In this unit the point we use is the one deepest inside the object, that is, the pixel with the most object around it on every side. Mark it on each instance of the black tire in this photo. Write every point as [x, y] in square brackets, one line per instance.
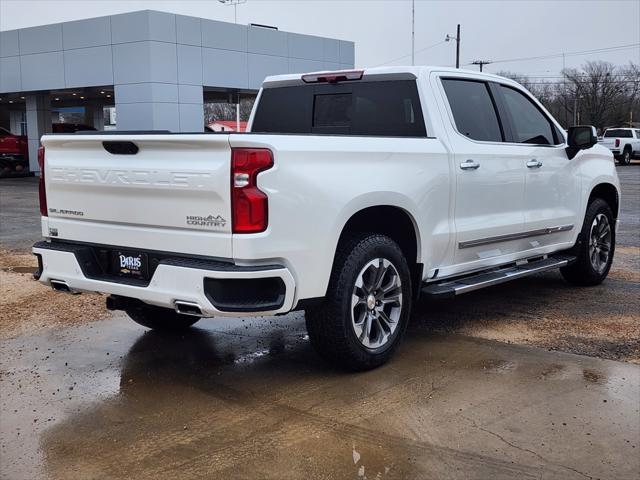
[330, 326]
[583, 272]
[158, 318]
[625, 158]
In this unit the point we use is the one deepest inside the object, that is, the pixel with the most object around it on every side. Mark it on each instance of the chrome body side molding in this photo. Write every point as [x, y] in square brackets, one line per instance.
[515, 236]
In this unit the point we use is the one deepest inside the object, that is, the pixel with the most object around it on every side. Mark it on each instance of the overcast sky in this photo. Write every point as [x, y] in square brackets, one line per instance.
[381, 29]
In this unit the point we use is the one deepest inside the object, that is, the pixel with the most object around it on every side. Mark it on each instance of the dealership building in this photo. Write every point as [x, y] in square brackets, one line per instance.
[157, 69]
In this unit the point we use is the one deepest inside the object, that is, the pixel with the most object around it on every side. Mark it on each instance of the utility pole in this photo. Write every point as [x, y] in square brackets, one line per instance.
[458, 47]
[413, 32]
[564, 88]
[235, 4]
[448, 38]
[481, 63]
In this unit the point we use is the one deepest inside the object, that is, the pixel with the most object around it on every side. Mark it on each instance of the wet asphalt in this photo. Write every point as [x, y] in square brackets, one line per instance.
[248, 398]
[251, 400]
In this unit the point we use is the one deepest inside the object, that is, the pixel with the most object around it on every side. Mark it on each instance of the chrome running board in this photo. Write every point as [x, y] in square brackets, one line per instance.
[488, 278]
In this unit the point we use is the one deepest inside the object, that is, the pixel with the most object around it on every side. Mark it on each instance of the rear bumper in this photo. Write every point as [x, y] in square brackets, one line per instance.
[215, 286]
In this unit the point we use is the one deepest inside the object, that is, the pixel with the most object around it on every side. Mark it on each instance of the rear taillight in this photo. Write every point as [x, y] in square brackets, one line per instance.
[41, 188]
[249, 205]
[617, 142]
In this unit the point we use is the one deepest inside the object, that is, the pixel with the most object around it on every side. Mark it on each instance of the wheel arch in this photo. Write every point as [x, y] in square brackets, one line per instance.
[393, 221]
[609, 193]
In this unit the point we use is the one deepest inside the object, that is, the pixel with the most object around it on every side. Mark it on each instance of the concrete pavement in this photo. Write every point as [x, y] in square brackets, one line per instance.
[252, 400]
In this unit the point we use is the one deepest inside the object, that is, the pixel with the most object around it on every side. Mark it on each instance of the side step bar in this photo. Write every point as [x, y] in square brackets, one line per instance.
[487, 278]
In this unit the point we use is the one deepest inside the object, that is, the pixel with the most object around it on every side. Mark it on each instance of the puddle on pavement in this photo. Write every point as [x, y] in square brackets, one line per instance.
[593, 376]
[251, 399]
[493, 365]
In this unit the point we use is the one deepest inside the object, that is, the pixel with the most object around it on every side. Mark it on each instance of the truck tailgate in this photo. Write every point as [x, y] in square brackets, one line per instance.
[607, 142]
[172, 195]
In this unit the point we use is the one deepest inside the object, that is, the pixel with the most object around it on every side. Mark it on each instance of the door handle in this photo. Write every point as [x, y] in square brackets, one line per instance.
[469, 165]
[534, 163]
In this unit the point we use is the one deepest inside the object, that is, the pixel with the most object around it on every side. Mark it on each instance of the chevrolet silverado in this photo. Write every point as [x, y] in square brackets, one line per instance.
[352, 193]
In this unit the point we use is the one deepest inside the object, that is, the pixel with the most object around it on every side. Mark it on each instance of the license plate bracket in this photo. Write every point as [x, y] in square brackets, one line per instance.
[130, 264]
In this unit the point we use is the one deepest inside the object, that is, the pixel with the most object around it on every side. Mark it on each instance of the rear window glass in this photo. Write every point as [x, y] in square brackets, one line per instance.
[618, 132]
[332, 110]
[385, 108]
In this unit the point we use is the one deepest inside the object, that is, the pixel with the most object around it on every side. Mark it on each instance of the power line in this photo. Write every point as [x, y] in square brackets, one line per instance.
[568, 54]
[617, 82]
[405, 56]
[623, 75]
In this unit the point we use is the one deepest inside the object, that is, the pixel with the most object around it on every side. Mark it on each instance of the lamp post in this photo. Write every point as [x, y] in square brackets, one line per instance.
[413, 32]
[235, 4]
[448, 38]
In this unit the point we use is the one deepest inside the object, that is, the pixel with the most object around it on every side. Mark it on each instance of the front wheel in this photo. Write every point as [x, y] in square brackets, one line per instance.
[595, 249]
[158, 318]
[368, 303]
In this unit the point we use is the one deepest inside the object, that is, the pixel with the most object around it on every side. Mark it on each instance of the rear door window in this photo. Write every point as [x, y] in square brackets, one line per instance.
[373, 108]
[473, 109]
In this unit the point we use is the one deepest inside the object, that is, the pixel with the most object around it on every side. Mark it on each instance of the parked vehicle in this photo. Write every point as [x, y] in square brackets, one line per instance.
[71, 128]
[354, 193]
[624, 143]
[14, 153]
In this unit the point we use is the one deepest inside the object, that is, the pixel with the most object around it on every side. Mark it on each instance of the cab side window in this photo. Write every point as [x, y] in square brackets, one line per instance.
[473, 109]
[529, 124]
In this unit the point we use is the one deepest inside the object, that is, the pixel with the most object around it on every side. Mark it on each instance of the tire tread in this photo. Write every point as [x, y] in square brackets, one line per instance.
[326, 324]
[581, 272]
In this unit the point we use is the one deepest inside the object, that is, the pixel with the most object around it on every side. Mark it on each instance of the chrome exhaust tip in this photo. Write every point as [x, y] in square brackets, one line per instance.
[188, 308]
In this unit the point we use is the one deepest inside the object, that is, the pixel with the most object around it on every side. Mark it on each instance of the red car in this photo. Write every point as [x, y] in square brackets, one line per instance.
[14, 149]
[14, 153]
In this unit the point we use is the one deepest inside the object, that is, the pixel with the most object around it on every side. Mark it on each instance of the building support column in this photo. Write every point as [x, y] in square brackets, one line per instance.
[38, 123]
[94, 116]
[159, 106]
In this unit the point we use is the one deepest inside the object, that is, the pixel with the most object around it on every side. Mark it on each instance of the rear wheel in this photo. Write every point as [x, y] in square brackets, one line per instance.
[625, 159]
[366, 311]
[595, 249]
[159, 318]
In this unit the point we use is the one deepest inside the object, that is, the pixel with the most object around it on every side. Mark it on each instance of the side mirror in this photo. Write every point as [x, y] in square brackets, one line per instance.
[579, 138]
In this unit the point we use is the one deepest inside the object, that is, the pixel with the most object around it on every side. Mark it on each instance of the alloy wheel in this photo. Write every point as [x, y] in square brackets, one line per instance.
[376, 303]
[600, 240]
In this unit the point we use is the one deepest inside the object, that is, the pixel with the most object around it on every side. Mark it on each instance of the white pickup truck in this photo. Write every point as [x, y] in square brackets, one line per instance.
[624, 143]
[353, 193]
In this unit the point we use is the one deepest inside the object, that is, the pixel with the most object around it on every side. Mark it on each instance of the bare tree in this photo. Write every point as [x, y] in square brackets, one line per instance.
[227, 111]
[598, 94]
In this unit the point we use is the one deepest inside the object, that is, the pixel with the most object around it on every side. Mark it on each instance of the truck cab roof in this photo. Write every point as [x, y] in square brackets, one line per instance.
[374, 73]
